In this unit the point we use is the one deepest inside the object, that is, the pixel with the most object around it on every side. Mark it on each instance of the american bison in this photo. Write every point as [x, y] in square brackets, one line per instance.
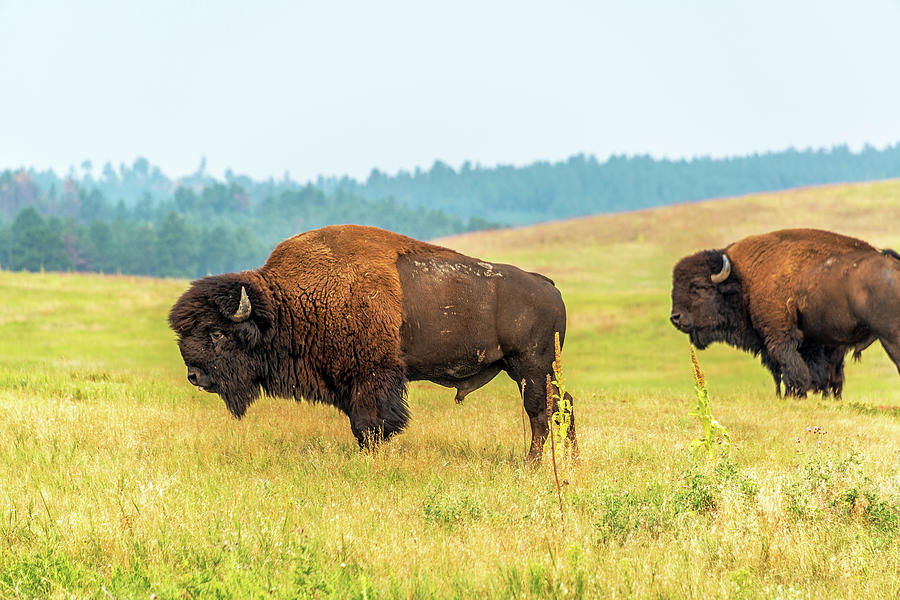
[800, 298]
[346, 315]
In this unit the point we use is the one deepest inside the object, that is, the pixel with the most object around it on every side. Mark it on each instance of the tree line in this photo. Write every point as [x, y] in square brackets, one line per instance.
[201, 228]
[135, 219]
[582, 185]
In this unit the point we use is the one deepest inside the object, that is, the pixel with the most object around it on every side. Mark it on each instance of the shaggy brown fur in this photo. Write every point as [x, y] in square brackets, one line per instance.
[799, 297]
[347, 314]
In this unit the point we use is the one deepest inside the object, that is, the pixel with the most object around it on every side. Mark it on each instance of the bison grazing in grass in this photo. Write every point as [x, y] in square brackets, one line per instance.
[346, 315]
[799, 298]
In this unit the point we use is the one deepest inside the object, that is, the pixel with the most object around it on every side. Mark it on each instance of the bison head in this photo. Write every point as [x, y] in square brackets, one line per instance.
[707, 304]
[223, 325]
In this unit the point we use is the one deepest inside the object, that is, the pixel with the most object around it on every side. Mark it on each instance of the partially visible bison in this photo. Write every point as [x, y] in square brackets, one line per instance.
[799, 298]
[346, 315]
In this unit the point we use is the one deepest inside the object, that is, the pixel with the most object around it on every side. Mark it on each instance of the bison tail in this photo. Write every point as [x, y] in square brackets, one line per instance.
[891, 253]
[544, 277]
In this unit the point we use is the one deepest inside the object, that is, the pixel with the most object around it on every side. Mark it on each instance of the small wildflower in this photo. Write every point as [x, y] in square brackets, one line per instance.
[699, 379]
[808, 428]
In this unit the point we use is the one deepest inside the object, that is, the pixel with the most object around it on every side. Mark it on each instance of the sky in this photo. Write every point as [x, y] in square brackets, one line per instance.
[339, 87]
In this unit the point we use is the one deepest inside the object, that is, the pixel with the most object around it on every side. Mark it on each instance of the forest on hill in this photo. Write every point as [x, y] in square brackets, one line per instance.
[581, 185]
[135, 219]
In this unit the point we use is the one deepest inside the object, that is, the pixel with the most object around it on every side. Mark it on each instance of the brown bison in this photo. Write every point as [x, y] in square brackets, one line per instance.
[346, 315]
[800, 298]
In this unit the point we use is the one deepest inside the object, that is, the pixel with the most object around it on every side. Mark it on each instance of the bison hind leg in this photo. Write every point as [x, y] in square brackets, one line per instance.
[892, 347]
[570, 434]
[535, 403]
[836, 357]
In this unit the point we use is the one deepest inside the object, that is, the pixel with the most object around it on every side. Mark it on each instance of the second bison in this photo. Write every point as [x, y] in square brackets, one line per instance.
[346, 315]
[801, 298]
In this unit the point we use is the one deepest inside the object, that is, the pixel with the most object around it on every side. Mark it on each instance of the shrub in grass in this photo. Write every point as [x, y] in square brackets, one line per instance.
[450, 509]
[699, 492]
[829, 483]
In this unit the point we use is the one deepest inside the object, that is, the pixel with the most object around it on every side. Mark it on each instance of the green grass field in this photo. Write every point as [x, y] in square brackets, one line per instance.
[119, 479]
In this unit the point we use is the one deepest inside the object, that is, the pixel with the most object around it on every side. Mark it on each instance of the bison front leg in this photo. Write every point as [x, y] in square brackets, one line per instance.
[776, 376]
[378, 409]
[773, 368]
[365, 426]
[794, 372]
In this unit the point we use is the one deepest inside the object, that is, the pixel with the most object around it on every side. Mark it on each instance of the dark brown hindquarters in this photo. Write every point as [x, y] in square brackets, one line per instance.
[466, 320]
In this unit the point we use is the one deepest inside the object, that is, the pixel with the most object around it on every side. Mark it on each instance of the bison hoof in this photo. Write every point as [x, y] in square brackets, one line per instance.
[369, 439]
[533, 459]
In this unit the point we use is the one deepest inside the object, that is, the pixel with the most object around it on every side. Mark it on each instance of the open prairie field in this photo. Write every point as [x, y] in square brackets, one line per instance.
[119, 479]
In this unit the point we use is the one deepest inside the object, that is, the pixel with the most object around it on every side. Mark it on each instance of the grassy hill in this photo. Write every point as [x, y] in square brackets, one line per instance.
[120, 479]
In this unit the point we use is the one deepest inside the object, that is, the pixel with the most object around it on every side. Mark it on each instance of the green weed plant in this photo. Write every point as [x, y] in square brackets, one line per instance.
[713, 434]
[561, 419]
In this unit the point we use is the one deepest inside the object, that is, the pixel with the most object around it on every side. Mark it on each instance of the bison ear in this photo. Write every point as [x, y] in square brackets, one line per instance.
[730, 287]
[249, 334]
[248, 306]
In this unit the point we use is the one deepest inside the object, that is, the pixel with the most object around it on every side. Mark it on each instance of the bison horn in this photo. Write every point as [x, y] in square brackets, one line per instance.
[724, 273]
[243, 311]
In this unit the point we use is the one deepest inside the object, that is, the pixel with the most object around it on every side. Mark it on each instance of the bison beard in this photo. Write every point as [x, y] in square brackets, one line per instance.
[208, 308]
[800, 299]
[346, 315]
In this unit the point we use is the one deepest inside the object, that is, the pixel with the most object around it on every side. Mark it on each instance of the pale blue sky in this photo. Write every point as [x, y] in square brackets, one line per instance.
[335, 87]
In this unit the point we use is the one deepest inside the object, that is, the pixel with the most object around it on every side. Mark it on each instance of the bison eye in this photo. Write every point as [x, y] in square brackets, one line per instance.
[216, 335]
